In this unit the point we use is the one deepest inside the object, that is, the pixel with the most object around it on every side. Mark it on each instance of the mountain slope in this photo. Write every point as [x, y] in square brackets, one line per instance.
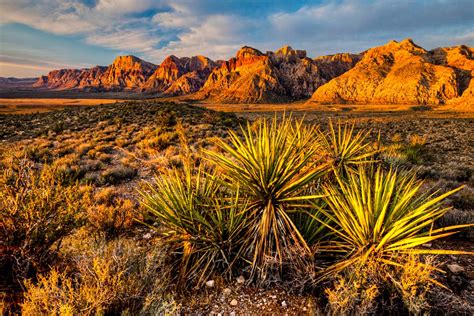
[398, 72]
[461, 59]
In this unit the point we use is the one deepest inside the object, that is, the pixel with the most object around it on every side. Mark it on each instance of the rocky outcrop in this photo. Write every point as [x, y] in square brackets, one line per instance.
[246, 78]
[176, 76]
[12, 83]
[186, 84]
[398, 72]
[332, 66]
[461, 59]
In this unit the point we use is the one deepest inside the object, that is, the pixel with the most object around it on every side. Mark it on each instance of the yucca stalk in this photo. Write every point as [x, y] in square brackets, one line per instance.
[272, 166]
[345, 149]
[202, 223]
[379, 214]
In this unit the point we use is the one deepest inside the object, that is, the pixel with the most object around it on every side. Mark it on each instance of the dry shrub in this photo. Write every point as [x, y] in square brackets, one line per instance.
[112, 278]
[37, 210]
[118, 174]
[111, 213]
[373, 286]
[355, 290]
[414, 282]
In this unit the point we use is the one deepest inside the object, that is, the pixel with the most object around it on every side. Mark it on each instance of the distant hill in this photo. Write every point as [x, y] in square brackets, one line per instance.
[11, 83]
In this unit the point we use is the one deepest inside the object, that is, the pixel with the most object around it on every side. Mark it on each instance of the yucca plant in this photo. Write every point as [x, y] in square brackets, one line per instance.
[379, 214]
[345, 149]
[273, 166]
[202, 223]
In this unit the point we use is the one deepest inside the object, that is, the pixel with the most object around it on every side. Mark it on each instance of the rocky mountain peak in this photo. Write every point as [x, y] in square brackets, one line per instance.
[286, 52]
[130, 62]
[248, 52]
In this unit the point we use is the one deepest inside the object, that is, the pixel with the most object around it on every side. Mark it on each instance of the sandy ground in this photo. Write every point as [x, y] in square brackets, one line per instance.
[36, 105]
[27, 105]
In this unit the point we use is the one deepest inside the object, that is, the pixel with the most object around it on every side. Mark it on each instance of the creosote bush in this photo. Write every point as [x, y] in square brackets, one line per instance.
[371, 286]
[111, 278]
[110, 213]
[37, 210]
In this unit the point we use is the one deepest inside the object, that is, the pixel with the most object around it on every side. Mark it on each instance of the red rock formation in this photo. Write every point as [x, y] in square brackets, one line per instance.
[125, 73]
[165, 78]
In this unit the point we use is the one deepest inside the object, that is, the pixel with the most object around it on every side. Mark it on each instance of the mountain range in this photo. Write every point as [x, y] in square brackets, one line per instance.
[397, 72]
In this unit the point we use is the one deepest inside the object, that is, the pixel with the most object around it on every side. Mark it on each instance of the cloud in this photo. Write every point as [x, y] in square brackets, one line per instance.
[216, 36]
[108, 23]
[355, 23]
[154, 29]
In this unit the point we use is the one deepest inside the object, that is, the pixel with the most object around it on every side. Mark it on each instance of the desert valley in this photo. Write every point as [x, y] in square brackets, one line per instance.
[272, 182]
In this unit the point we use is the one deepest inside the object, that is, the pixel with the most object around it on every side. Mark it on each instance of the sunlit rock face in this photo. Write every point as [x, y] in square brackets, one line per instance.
[461, 59]
[398, 72]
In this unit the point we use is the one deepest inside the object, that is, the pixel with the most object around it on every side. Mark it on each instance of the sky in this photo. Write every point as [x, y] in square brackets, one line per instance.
[37, 36]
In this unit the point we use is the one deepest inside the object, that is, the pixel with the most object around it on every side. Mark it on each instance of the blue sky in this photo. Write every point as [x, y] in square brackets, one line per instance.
[40, 35]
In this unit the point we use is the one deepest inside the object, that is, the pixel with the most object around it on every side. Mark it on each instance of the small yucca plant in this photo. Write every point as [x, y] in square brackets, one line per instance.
[200, 221]
[345, 149]
[272, 166]
[378, 214]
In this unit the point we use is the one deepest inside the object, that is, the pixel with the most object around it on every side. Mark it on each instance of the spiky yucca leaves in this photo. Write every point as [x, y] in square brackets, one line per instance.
[377, 214]
[272, 166]
[202, 224]
[346, 149]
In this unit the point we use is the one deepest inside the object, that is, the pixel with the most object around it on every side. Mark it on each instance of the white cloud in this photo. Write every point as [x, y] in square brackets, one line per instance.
[216, 36]
[189, 27]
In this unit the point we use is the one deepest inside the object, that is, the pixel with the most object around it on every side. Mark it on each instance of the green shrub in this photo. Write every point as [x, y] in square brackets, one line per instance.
[377, 213]
[118, 174]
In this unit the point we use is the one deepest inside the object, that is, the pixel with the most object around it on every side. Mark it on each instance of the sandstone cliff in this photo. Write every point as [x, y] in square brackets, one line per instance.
[398, 72]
